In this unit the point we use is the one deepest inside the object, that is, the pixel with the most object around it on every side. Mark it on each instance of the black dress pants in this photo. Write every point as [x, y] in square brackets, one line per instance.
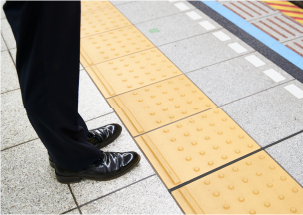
[47, 35]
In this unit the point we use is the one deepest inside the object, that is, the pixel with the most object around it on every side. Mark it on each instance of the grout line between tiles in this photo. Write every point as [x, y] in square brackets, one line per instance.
[69, 210]
[71, 191]
[19, 144]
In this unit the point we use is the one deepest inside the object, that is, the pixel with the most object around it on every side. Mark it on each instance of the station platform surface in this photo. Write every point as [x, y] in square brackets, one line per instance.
[209, 93]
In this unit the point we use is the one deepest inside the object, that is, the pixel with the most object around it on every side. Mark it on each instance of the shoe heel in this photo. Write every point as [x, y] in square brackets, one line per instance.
[52, 164]
[67, 179]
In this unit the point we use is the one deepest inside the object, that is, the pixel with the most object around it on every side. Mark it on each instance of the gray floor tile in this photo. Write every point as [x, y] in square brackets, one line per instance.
[289, 155]
[142, 11]
[145, 197]
[280, 27]
[120, 2]
[270, 115]
[235, 79]
[7, 34]
[16, 127]
[91, 102]
[201, 51]
[28, 183]
[9, 78]
[13, 54]
[88, 190]
[175, 27]
[3, 46]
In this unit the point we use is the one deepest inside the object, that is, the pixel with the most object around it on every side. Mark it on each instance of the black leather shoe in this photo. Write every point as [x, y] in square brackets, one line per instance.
[100, 137]
[111, 165]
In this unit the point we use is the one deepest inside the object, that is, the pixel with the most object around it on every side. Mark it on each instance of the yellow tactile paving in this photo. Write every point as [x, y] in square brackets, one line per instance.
[156, 105]
[102, 20]
[87, 6]
[195, 145]
[256, 184]
[113, 44]
[132, 72]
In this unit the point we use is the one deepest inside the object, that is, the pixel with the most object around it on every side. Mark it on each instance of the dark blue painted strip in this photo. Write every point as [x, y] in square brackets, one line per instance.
[264, 38]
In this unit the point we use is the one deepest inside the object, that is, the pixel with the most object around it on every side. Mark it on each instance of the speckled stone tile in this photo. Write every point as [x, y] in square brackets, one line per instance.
[7, 34]
[235, 79]
[270, 115]
[145, 197]
[75, 211]
[13, 54]
[1, 11]
[201, 51]
[120, 2]
[175, 27]
[15, 125]
[142, 11]
[289, 155]
[80, 67]
[9, 78]
[91, 102]
[88, 190]
[3, 46]
[28, 183]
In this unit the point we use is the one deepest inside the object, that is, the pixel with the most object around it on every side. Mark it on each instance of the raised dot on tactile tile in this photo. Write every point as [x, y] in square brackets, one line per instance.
[194, 143]
[283, 178]
[272, 167]
[199, 129]
[293, 210]
[294, 189]
[188, 158]
[232, 127]
[171, 116]
[267, 204]
[159, 103]
[241, 199]
[186, 134]
[269, 184]
[216, 194]
[245, 180]
[235, 169]
[281, 197]
[211, 124]
[173, 139]
[258, 173]
[207, 138]
[231, 187]
[202, 152]
[220, 132]
[250, 145]
[177, 106]
[166, 130]
[221, 175]
[261, 157]
[184, 112]
[224, 119]
[192, 121]
[226, 206]
[237, 151]
[206, 182]
[180, 148]
[228, 141]
[210, 163]
[171, 99]
[140, 100]
[165, 109]
[252, 211]
[196, 169]
[159, 85]
[256, 192]
[224, 157]
[204, 116]
[241, 136]
[153, 96]
[146, 89]
[189, 102]
[158, 121]
[152, 113]
[248, 163]
[215, 147]
[179, 125]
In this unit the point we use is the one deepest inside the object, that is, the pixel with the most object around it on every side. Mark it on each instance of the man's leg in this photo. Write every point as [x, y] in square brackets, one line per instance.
[48, 45]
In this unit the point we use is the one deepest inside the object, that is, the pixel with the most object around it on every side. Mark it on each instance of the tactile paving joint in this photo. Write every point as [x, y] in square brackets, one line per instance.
[113, 44]
[102, 20]
[156, 105]
[256, 184]
[193, 146]
[132, 72]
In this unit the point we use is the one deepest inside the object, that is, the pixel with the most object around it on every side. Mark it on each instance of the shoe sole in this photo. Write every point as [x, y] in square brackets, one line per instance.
[52, 164]
[71, 179]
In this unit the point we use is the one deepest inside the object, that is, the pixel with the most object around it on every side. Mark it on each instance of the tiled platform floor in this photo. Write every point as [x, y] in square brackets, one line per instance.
[261, 106]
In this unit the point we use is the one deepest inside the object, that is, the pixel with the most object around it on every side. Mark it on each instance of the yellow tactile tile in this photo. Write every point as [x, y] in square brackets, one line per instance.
[102, 20]
[195, 145]
[113, 44]
[254, 185]
[132, 72]
[87, 6]
[156, 105]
